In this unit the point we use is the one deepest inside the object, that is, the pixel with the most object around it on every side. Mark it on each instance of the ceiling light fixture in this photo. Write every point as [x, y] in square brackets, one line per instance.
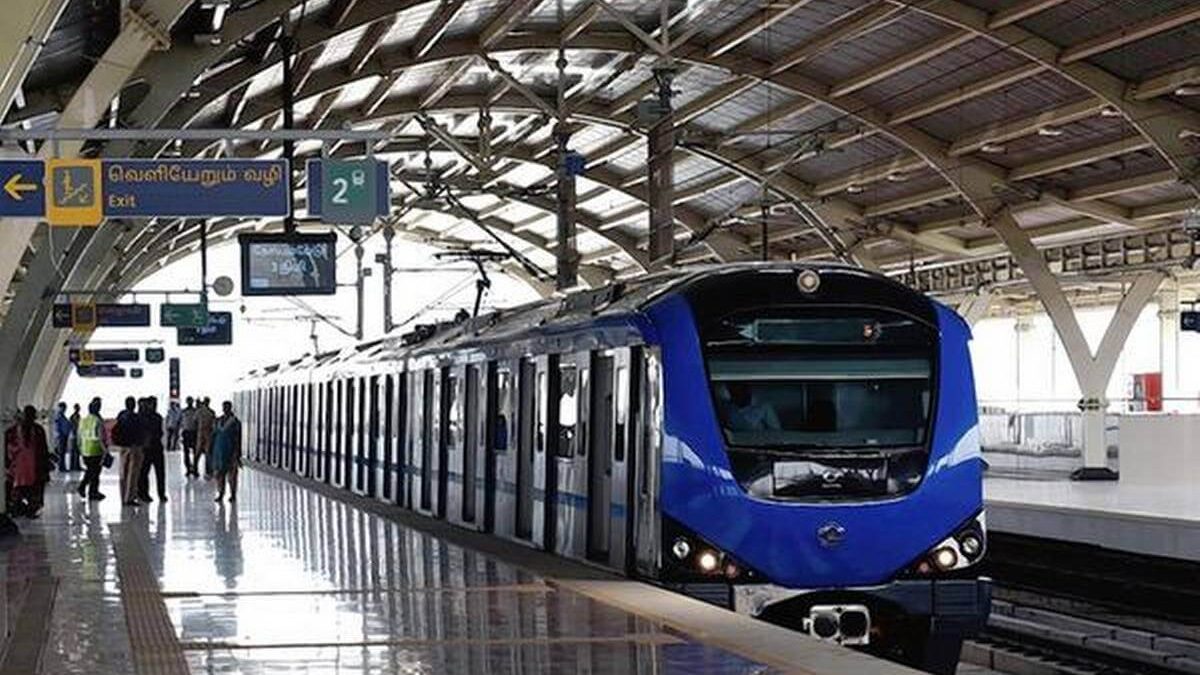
[1050, 132]
[992, 148]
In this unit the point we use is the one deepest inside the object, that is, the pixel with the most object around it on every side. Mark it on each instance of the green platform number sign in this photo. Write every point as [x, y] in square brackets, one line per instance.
[348, 192]
[188, 316]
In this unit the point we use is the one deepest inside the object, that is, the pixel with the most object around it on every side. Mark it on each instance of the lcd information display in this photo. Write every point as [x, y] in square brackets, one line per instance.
[289, 264]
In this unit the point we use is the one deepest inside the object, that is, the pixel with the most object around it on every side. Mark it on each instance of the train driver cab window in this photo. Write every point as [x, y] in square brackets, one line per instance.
[806, 392]
[503, 411]
[568, 410]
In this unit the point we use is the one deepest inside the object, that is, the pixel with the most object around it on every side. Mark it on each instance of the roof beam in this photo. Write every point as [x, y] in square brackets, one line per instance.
[367, 44]
[1127, 34]
[753, 25]
[303, 68]
[901, 62]
[510, 17]
[322, 109]
[338, 12]
[869, 174]
[770, 118]
[844, 28]
[1124, 186]
[446, 81]
[1026, 126]
[630, 98]
[959, 95]
[697, 190]
[579, 23]
[235, 105]
[910, 201]
[1071, 160]
[1166, 83]
[379, 94]
[1020, 10]
[1098, 209]
[713, 98]
[1163, 210]
[435, 26]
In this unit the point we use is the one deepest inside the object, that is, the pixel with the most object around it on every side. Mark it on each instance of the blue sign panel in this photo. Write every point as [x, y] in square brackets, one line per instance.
[316, 176]
[100, 370]
[22, 189]
[149, 188]
[124, 316]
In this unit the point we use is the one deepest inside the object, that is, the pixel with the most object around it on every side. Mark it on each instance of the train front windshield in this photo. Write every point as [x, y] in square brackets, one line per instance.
[803, 394]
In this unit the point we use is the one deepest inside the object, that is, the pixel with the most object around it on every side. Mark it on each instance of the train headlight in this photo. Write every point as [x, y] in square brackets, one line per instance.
[808, 281]
[681, 548]
[707, 561]
[945, 558]
[957, 552]
[971, 545]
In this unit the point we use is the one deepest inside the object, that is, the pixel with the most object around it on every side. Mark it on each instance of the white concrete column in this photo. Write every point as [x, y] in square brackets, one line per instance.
[975, 308]
[26, 25]
[1168, 339]
[1092, 372]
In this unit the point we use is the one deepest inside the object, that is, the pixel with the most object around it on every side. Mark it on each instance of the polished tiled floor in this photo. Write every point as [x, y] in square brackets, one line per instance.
[291, 581]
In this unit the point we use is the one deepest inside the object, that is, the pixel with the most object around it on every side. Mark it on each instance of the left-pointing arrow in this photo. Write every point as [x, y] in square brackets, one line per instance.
[14, 187]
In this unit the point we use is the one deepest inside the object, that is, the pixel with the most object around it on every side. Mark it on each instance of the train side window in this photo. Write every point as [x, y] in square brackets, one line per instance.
[453, 411]
[622, 399]
[568, 410]
[539, 405]
[503, 410]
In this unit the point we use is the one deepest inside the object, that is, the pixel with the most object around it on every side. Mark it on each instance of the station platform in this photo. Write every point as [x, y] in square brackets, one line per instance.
[293, 580]
[1159, 520]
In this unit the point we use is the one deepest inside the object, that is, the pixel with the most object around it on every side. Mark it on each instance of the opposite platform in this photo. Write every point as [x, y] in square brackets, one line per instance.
[1160, 520]
[292, 580]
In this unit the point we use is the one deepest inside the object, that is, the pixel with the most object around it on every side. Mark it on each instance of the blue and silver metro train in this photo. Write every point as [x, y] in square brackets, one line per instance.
[797, 442]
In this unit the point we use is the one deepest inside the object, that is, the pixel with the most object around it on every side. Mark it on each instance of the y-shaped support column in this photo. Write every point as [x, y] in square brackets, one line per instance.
[1092, 372]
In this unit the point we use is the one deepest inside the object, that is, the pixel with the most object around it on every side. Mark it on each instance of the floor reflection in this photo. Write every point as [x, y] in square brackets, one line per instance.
[289, 580]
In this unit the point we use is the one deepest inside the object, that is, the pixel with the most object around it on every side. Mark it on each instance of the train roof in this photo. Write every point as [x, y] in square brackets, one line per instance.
[609, 301]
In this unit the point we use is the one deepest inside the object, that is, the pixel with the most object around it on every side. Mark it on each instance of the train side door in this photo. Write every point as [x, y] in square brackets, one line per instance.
[600, 457]
[568, 446]
[647, 465]
[449, 435]
[527, 416]
[501, 482]
[625, 401]
[387, 410]
[472, 419]
[400, 443]
[545, 479]
[428, 435]
[375, 429]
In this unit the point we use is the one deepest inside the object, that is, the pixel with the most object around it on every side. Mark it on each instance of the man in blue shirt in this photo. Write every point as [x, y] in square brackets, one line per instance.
[63, 430]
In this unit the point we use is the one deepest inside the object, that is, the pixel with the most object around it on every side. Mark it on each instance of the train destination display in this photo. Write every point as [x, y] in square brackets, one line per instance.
[219, 331]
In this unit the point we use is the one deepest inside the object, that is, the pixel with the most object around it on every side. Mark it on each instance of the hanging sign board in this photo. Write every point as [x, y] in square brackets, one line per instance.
[155, 355]
[75, 196]
[23, 194]
[173, 379]
[219, 331]
[195, 188]
[348, 192]
[135, 373]
[89, 356]
[87, 316]
[1189, 320]
[289, 264]
[174, 316]
[100, 370]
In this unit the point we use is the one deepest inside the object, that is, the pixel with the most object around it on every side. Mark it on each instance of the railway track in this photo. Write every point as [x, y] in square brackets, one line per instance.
[1067, 609]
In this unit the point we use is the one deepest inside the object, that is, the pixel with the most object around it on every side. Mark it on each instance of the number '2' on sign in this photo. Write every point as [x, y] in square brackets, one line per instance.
[341, 186]
[348, 191]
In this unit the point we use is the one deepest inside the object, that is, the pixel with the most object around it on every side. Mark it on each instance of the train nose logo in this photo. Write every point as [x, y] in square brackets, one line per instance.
[831, 534]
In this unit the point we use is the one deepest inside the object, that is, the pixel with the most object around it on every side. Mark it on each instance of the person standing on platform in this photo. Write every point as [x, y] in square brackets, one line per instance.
[28, 464]
[187, 426]
[152, 428]
[205, 423]
[93, 448]
[226, 454]
[62, 437]
[127, 439]
[75, 419]
[174, 417]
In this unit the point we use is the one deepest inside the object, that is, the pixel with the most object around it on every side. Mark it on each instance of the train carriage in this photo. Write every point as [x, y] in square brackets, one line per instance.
[796, 442]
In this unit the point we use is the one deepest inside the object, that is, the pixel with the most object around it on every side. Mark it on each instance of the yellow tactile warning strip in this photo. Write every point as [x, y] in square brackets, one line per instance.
[156, 649]
[634, 638]
[28, 640]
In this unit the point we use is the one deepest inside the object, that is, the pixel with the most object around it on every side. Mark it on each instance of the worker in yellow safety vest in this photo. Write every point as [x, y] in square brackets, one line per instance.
[93, 448]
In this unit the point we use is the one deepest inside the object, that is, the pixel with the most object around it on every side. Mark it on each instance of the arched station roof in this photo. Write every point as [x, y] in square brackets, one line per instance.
[891, 132]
